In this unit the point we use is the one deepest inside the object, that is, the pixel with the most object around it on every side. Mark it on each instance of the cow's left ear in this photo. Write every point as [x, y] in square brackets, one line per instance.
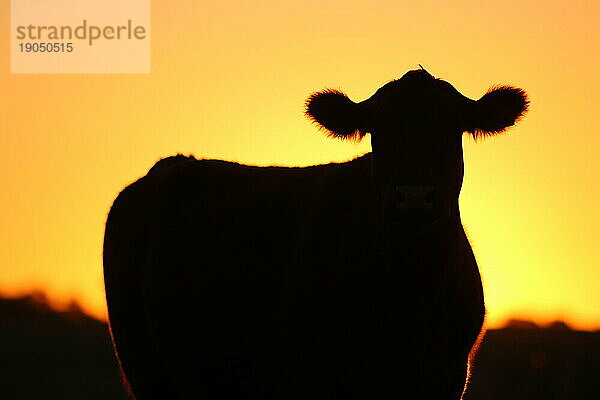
[500, 108]
[339, 116]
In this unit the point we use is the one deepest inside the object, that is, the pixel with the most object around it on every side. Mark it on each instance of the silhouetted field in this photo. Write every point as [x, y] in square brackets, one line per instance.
[47, 354]
[54, 355]
[524, 361]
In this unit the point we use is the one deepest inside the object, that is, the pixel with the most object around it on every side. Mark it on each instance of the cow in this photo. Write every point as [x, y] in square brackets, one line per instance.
[351, 280]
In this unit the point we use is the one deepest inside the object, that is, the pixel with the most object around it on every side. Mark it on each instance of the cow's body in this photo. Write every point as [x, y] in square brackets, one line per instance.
[232, 281]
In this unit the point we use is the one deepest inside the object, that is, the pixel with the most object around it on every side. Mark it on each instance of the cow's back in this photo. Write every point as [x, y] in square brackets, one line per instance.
[202, 263]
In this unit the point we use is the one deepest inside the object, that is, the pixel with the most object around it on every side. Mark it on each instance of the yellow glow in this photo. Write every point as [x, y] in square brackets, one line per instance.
[229, 80]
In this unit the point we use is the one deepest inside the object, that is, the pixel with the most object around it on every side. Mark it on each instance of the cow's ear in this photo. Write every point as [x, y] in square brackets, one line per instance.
[333, 111]
[499, 108]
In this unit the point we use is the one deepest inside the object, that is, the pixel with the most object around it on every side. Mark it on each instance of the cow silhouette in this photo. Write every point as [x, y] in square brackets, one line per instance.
[349, 280]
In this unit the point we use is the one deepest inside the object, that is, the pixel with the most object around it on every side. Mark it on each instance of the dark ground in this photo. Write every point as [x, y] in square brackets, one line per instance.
[47, 354]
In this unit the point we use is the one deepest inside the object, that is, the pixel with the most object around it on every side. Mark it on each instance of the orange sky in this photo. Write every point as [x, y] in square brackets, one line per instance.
[229, 79]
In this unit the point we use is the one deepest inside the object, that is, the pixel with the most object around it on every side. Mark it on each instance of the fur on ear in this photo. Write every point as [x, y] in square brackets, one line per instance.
[334, 112]
[499, 108]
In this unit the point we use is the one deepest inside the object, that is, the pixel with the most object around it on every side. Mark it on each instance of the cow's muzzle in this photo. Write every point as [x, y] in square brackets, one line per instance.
[415, 207]
[413, 199]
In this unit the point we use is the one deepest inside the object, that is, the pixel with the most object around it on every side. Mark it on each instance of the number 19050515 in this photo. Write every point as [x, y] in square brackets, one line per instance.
[46, 47]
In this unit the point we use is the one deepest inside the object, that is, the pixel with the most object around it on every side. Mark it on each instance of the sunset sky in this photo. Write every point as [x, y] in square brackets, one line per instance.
[228, 80]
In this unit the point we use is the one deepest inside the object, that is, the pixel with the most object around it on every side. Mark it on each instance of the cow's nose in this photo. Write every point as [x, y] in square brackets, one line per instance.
[409, 199]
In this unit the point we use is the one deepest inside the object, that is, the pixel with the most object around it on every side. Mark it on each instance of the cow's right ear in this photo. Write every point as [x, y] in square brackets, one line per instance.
[339, 116]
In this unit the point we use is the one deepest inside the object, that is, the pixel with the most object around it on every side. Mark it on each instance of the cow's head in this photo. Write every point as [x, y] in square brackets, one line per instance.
[416, 124]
